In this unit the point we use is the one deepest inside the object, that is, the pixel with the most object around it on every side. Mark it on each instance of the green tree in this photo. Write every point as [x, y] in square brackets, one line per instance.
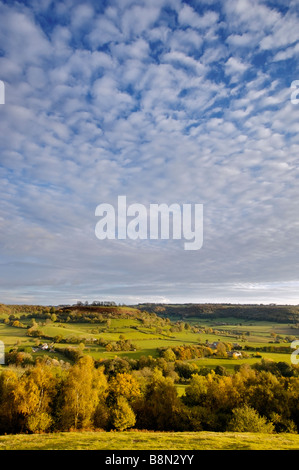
[160, 407]
[122, 415]
[247, 419]
[197, 390]
[267, 394]
[221, 349]
[169, 355]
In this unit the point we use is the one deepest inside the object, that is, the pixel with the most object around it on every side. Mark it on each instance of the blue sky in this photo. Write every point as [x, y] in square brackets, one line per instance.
[164, 101]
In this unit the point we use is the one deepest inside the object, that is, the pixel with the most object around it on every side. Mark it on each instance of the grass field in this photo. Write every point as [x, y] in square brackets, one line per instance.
[147, 341]
[229, 363]
[148, 338]
[150, 441]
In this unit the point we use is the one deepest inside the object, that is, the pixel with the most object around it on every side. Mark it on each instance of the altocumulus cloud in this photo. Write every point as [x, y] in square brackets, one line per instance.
[165, 101]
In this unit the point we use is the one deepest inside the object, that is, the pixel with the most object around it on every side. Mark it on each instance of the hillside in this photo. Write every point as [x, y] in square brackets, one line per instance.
[273, 313]
[77, 313]
[131, 333]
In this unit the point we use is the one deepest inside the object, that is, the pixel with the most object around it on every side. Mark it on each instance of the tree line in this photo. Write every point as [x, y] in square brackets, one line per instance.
[272, 312]
[50, 397]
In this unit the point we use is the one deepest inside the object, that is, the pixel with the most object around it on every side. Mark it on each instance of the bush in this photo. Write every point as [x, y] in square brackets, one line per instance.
[39, 422]
[247, 419]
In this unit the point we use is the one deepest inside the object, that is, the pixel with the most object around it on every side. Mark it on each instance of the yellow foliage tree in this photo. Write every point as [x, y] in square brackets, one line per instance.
[8, 421]
[27, 398]
[125, 385]
[82, 391]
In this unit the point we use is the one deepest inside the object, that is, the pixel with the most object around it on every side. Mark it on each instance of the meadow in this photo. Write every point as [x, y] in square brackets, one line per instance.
[136, 440]
[150, 337]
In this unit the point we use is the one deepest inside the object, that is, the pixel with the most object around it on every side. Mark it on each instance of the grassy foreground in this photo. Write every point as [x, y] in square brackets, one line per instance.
[150, 441]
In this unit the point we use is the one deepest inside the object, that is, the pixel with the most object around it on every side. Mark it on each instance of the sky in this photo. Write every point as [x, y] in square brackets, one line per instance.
[161, 101]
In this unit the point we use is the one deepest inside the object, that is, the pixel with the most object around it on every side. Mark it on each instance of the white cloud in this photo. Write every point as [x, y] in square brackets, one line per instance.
[188, 17]
[251, 16]
[82, 15]
[149, 102]
[104, 31]
[284, 33]
[138, 49]
[185, 41]
[235, 68]
[241, 40]
[138, 19]
[288, 53]
[185, 61]
[28, 43]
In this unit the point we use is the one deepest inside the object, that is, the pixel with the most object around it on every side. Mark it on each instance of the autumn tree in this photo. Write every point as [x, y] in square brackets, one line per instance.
[82, 390]
[122, 415]
[160, 407]
[9, 421]
[125, 385]
[267, 394]
[221, 349]
[211, 399]
[41, 381]
[27, 400]
[197, 390]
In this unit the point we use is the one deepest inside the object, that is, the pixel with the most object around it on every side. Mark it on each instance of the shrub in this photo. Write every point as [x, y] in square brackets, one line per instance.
[247, 419]
[39, 422]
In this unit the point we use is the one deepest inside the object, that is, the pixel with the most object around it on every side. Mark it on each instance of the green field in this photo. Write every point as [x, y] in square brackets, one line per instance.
[149, 337]
[135, 440]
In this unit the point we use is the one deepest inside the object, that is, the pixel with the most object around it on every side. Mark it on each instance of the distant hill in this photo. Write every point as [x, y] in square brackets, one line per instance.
[276, 313]
[104, 310]
[78, 313]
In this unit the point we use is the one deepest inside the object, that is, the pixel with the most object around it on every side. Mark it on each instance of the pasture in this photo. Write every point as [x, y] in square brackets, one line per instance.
[138, 440]
[147, 341]
[147, 336]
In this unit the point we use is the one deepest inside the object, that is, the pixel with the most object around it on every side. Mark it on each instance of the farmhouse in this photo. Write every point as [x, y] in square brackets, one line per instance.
[212, 345]
[235, 354]
[43, 347]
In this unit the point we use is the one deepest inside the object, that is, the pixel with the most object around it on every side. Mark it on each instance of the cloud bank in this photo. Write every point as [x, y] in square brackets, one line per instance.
[165, 102]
